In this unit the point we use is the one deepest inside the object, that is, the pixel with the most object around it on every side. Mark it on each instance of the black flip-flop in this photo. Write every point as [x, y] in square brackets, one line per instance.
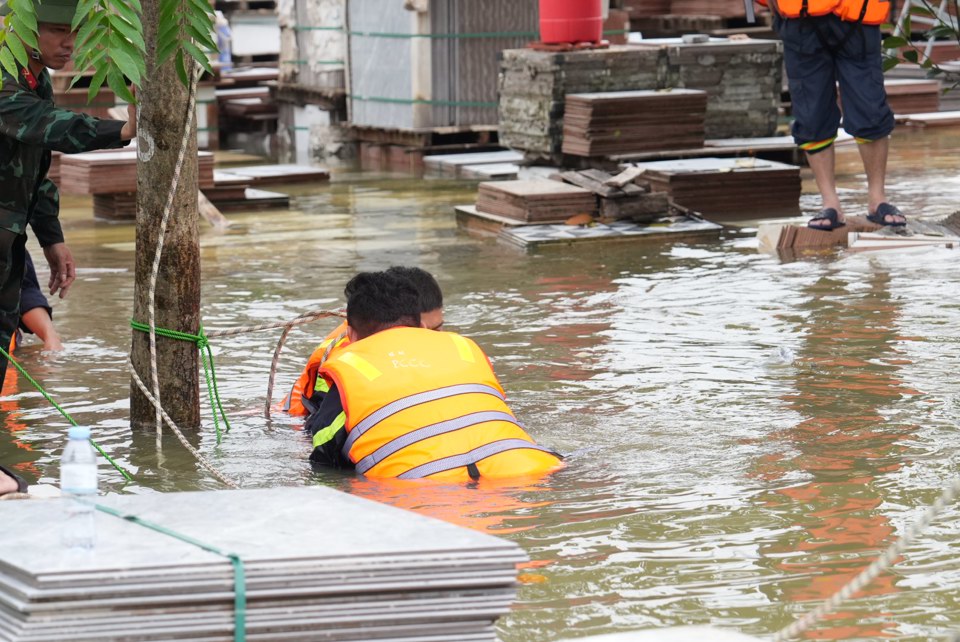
[883, 211]
[831, 216]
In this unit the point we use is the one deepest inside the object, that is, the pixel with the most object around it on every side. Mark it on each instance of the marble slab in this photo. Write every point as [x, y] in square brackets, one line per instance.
[536, 236]
[319, 564]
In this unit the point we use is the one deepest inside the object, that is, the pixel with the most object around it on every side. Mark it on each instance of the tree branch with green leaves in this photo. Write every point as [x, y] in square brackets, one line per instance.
[939, 22]
[110, 40]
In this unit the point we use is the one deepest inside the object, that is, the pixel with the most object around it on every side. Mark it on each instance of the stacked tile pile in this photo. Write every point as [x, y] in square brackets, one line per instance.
[727, 188]
[913, 96]
[318, 565]
[618, 200]
[742, 80]
[114, 171]
[534, 85]
[625, 122]
[535, 201]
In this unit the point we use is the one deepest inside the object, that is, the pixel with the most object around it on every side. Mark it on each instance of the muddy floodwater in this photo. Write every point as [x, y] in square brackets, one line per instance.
[744, 432]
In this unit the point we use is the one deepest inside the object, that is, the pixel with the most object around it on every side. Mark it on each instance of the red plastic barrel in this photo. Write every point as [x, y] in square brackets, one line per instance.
[571, 21]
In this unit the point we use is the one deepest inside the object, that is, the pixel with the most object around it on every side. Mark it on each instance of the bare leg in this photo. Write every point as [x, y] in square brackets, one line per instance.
[40, 323]
[874, 156]
[822, 163]
[7, 484]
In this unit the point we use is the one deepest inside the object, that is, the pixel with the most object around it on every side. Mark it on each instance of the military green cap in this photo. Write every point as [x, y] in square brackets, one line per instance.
[58, 12]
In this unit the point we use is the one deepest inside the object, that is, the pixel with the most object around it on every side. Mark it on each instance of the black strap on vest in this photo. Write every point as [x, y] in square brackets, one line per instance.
[473, 471]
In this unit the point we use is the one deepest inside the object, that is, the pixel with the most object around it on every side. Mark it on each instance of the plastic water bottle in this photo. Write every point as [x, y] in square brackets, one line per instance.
[224, 38]
[78, 483]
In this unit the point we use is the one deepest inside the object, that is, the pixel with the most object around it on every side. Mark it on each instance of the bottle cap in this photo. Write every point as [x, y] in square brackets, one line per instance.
[79, 432]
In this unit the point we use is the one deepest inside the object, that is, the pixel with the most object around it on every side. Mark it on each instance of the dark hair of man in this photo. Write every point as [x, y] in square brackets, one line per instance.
[377, 301]
[431, 297]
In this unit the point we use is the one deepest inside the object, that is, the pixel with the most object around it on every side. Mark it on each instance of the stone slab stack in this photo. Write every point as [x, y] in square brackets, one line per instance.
[380, 573]
[534, 85]
[742, 80]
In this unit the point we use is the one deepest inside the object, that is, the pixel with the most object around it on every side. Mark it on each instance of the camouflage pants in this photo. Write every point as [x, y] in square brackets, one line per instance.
[11, 275]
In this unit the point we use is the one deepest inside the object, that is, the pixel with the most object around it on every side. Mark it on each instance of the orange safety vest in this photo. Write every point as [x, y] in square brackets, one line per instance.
[307, 380]
[869, 12]
[423, 403]
[802, 8]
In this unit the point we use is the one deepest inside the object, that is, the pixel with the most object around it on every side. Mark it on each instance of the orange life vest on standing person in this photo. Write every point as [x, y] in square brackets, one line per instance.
[307, 381]
[869, 12]
[803, 8]
[422, 403]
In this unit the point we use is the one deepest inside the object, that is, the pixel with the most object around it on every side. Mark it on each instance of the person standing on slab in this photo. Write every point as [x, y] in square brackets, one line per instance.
[31, 126]
[826, 42]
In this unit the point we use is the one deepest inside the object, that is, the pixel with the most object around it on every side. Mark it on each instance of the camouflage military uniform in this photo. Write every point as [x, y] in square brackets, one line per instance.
[30, 127]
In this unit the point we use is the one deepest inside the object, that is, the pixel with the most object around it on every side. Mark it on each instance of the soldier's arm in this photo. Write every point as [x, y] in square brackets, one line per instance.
[29, 119]
[45, 221]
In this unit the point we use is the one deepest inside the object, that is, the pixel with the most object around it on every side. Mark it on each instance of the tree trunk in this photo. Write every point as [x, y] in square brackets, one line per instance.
[163, 112]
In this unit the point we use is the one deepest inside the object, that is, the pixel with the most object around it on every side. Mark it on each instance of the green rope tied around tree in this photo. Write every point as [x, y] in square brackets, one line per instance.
[63, 412]
[209, 371]
[239, 576]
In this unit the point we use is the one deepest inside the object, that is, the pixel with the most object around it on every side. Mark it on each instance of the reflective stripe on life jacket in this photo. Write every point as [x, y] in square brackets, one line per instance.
[422, 403]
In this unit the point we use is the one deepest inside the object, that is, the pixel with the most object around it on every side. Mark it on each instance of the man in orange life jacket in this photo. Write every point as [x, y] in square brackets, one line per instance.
[826, 42]
[308, 390]
[409, 403]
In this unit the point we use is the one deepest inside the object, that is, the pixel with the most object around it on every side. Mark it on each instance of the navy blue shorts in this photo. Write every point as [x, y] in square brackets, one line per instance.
[820, 52]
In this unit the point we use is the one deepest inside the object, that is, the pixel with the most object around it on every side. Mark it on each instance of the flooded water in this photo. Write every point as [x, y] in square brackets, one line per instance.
[745, 433]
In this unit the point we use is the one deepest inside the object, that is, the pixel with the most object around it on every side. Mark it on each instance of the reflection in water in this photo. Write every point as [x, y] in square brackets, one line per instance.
[496, 507]
[22, 454]
[842, 446]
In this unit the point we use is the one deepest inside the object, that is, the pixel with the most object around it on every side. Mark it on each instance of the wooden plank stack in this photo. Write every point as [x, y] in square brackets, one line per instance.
[727, 188]
[76, 100]
[54, 172]
[625, 122]
[114, 171]
[535, 201]
[624, 202]
[121, 206]
[907, 96]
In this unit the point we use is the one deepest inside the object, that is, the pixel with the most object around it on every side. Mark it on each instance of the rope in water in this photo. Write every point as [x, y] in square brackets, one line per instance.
[881, 564]
[176, 430]
[303, 318]
[239, 574]
[63, 412]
